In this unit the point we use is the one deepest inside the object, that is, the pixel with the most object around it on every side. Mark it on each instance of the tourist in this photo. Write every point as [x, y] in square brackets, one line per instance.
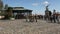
[54, 16]
[57, 17]
[50, 16]
[36, 17]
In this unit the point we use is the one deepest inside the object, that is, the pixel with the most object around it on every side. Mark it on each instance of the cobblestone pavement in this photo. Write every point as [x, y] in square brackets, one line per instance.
[23, 27]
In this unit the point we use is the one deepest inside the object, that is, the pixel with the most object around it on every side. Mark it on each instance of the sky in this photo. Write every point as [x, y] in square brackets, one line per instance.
[38, 6]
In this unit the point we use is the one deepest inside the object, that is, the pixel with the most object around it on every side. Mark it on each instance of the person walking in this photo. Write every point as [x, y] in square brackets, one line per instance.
[57, 17]
[36, 17]
[54, 16]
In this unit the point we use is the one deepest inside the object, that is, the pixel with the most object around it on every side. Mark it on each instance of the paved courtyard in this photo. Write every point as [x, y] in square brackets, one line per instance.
[23, 27]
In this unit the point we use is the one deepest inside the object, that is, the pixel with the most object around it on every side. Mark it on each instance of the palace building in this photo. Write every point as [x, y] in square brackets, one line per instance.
[16, 12]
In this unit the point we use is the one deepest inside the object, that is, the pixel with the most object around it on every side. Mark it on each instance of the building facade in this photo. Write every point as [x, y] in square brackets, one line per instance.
[16, 12]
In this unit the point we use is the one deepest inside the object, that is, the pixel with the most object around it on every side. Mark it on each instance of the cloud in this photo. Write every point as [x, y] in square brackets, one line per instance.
[35, 4]
[45, 2]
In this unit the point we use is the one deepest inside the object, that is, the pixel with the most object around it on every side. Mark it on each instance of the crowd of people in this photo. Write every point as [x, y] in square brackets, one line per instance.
[31, 18]
[52, 16]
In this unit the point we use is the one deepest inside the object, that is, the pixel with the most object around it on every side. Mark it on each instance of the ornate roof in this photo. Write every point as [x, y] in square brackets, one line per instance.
[20, 8]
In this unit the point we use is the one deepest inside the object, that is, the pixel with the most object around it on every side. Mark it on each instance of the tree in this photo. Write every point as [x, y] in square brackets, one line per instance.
[6, 6]
[9, 12]
[1, 4]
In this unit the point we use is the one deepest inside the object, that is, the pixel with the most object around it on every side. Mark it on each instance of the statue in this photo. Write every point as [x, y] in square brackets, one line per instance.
[47, 13]
[47, 10]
